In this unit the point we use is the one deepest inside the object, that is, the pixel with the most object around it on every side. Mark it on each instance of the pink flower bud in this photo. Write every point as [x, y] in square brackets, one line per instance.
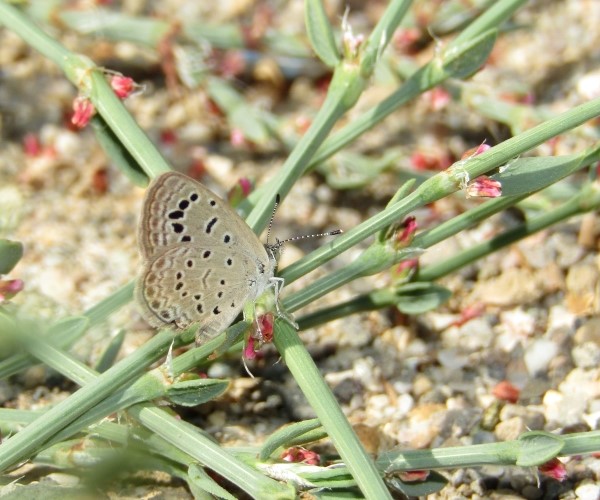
[237, 138]
[122, 85]
[83, 110]
[249, 352]
[555, 469]
[31, 145]
[407, 232]
[438, 98]
[300, 455]
[484, 187]
[469, 153]
[468, 313]
[265, 327]
[10, 288]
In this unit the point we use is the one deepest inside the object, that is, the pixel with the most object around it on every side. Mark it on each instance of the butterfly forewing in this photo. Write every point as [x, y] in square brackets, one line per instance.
[180, 211]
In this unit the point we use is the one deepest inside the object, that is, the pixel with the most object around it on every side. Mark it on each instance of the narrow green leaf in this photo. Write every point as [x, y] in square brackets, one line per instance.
[527, 175]
[110, 353]
[69, 329]
[283, 436]
[196, 392]
[10, 253]
[461, 61]
[320, 33]
[119, 155]
[537, 447]
[434, 483]
[201, 483]
[417, 298]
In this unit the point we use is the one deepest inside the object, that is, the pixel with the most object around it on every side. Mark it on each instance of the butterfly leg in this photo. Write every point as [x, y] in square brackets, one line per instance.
[277, 284]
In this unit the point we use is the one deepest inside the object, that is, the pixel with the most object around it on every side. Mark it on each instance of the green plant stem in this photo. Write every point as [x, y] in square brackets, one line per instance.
[295, 164]
[323, 402]
[65, 338]
[376, 299]
[22, 445]
[184, 436]
[91, 82]
[348, 81]
[506, 453]
[384, 297]
[443, 184]
[422, 80]
[122, 124]
[587, 200]
[192, 441]
[14, 19]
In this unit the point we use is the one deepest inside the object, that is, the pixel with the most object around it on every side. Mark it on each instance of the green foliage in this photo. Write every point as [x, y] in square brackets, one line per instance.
[128, 386]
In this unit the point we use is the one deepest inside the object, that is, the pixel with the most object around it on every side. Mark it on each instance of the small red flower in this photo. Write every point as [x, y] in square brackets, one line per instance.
[197, 168]
[438, 98]
[555, 469]
[83, 110]
[245, 185]
[469, 153]
[168, 137]
[408, 264]
[233, 64]
[484, 187]
[468, 313]
[237, 138]
[123, 86]
[406, 40]
[31, 145]
[240, 191]
[302, 124]
[249, 352]
[407, 232]
[265, 327]
[10, 288]
[405, 269]
[100, 180]
[300, 455]
[412, 476]
[422, 161]
[505, 391]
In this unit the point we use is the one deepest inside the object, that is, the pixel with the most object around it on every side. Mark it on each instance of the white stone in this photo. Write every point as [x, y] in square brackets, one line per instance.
[539, 354]
[588, 491]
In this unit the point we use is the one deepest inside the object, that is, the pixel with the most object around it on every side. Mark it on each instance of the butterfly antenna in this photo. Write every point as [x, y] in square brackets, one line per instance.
[277, 201]
[279, 244]
[306, 236]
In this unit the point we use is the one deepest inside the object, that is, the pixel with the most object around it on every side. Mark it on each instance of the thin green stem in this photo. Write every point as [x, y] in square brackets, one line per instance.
[348, 82]
[585, 201]
[22, 445]
[65, 337]
[323, 402]
[443, 184]
[184, 436]
[14, 19]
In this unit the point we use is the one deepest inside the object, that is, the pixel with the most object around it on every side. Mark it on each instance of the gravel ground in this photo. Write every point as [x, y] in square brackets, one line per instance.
[404, 382]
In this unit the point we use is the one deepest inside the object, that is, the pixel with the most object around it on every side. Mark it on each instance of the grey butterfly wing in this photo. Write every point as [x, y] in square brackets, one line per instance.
[206, 285]
[180, 211]
[202, 262]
